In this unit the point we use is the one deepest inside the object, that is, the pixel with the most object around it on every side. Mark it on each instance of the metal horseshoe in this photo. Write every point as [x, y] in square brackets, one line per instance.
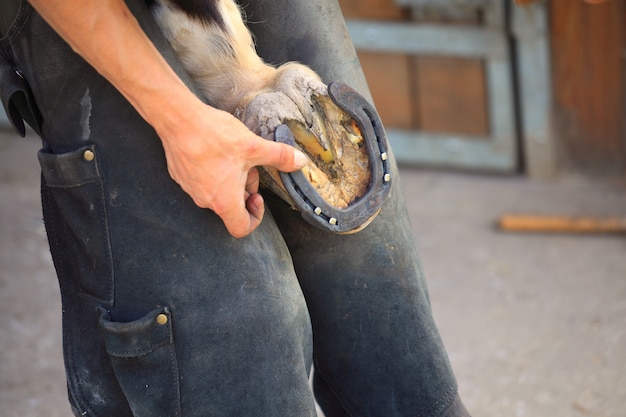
[314, 209]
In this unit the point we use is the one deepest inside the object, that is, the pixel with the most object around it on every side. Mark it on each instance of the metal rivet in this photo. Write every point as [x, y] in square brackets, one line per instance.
[332, 221]
[88, 155]
[387, 177]
[162, 319]
[317, 211]
[384, 156]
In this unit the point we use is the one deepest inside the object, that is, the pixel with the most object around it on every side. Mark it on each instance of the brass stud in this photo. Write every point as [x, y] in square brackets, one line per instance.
[88, 155]
[384, 156]
[332, 221]
[162, 319]
[387, 177]
[317, 211]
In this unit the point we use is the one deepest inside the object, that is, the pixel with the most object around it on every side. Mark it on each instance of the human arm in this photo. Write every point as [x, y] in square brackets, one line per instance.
[210, 153]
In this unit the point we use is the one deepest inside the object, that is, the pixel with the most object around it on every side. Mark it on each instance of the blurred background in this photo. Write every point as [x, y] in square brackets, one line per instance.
[533, 88]
[493, 108]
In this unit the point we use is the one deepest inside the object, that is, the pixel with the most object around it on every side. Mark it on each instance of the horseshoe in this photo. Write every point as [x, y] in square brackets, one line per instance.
[313, 208]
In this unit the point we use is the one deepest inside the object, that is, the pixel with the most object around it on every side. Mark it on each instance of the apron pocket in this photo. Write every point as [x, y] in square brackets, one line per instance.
[144, 361]
[75, 183]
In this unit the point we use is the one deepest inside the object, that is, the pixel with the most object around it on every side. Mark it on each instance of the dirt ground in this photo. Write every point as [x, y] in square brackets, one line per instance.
[535, 325]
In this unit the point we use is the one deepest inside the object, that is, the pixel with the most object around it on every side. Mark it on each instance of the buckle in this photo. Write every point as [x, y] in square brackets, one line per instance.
[313, 208]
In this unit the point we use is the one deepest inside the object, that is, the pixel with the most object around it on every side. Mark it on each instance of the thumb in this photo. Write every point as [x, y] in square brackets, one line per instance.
[283, 157]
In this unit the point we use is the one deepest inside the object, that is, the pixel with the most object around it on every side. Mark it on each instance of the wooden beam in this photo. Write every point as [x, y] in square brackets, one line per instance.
[561, 224]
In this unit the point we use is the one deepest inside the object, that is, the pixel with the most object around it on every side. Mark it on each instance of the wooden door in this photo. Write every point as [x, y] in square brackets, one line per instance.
[589, 77]
[441, 78]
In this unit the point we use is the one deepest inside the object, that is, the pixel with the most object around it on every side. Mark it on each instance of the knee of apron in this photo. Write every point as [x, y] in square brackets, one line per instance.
[376, 344]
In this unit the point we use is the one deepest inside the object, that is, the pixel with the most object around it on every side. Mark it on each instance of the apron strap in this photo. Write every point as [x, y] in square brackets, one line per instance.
[17, 98]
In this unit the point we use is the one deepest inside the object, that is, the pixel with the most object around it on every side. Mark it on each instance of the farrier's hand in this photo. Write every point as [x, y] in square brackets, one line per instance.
[212, 156]
[209, 153]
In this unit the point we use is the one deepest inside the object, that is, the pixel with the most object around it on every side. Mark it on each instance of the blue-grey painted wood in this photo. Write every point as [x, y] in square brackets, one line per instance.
[428, 39]
[499, 150]
[530, 28]
[446, 3]
[429, 149]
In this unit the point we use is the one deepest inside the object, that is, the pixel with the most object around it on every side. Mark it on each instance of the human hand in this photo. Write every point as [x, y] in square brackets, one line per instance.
[210, 153]
[212, 156]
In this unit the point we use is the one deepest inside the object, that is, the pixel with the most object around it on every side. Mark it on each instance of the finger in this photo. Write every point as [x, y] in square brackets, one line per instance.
[252, 182]
[241, 223]
[256, 208]
[283, 157]
[243, 215]
[250, 219]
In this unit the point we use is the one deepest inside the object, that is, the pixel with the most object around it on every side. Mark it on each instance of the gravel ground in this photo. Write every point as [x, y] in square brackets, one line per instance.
[535, 325]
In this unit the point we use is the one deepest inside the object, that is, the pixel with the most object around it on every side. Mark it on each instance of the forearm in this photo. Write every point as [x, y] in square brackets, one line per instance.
[209, 152]
[107, 35]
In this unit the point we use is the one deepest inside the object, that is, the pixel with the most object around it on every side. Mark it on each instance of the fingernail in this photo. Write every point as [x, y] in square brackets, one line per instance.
[299, 158]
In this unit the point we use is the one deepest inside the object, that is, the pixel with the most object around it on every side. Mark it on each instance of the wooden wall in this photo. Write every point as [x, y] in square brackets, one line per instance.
[433, 94]
[448, 95]
[588, 47]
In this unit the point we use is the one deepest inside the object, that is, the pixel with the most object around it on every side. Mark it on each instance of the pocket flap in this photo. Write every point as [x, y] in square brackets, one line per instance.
[137, 338]
[71, 169]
